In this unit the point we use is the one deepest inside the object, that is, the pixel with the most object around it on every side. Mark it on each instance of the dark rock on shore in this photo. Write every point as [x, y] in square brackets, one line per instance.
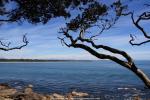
[8, 93]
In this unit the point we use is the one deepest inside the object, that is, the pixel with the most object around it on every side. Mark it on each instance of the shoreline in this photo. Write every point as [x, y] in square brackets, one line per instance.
[27, 93]
[9, 93]
[44, 62]
[39, 61]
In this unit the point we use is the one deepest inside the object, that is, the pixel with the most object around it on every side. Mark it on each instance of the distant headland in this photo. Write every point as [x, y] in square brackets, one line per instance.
[37, 60]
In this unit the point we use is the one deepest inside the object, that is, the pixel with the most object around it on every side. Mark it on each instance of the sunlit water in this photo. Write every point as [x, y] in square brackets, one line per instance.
[102, 79]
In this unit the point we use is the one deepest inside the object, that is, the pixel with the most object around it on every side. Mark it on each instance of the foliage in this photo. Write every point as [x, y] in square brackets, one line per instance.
[90, 13]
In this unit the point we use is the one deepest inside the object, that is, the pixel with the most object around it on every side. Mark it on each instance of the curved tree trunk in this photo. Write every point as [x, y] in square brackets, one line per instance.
[127, 63]
[141, 75]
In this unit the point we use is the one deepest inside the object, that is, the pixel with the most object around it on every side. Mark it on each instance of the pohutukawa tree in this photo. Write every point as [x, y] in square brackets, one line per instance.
[97, 16]
[91, 14]
[35, 11]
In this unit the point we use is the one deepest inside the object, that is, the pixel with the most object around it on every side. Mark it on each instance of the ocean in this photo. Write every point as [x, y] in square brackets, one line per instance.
[101, 79]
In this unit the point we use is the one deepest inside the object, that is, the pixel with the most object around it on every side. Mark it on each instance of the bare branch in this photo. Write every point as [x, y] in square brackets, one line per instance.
[90, 46]
[113, 50]
[5, 47]
[102, 56]
[102, 30]
[63, 41]
[143, 16]
[92, 51]
[137, 44]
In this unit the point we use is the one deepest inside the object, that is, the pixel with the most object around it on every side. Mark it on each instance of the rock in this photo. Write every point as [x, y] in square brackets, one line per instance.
[29, 96]
[136, 98]
[16, 95]
[6, 99]
[4, 86]
[28, 91]
[58, 96]
[7, 92]
[36, 96]
[3, 98]
[44, 98]
[49, 97]
[79, 94]
[69, 97]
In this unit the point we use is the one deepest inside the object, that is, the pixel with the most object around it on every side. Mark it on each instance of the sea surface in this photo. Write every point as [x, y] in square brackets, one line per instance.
[101, 79]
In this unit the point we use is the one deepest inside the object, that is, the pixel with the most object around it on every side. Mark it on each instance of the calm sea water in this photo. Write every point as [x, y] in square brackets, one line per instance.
[103, 79]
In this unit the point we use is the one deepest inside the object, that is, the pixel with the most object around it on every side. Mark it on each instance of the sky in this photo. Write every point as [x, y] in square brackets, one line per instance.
[44, 44]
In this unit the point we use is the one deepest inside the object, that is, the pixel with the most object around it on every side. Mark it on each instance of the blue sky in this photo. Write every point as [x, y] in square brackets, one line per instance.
[43, 42]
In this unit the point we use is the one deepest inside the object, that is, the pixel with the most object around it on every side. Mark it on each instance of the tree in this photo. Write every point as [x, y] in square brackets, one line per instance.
[34, 11]
[96, 15]
[76, 34]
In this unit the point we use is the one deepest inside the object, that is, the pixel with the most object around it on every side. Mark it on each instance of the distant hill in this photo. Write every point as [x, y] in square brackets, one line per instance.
[36, 60]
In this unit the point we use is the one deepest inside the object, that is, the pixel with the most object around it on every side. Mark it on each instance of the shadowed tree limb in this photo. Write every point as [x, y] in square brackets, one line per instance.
[137, 44]
[45, 10]
[5, 47]
[89, 45]
[129, 64]
[144, 16]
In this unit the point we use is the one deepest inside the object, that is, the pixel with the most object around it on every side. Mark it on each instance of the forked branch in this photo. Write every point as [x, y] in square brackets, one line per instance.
[145, 16]
[6, 47]
[129, 64]
[74, 43]
[137, 44]
[88, 44]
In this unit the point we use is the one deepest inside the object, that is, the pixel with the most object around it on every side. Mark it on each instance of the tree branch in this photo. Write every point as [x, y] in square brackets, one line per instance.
[143, 16]
[98, 55]
[5, 47]
[137, 44]
[90, 46]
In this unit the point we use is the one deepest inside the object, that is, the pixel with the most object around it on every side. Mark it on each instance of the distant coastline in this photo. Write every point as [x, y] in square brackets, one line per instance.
[48, 60]
[37, 60]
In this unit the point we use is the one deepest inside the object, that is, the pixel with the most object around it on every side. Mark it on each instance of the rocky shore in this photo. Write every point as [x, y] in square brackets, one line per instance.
[9, 93]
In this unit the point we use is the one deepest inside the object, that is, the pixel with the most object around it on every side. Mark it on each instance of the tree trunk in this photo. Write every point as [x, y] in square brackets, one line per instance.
[141, 75]
[129, 65]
